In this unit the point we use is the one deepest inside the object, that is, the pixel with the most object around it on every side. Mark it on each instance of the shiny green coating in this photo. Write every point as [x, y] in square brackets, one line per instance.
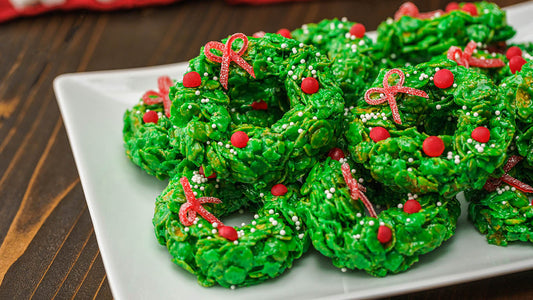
[351, 64]
[266, 247]
[418, 40]
[451, 114]
[340, 230]
[150, 146]
[304, 127]
[503, 217]
[506, 215]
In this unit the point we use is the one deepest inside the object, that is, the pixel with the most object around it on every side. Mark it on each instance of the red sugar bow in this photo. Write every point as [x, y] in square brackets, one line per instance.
[465, 58]
[228, 55]
[390, 91]
[493, 183]
[193, 205]
[356, 189]
[410, 9]
[163, 83]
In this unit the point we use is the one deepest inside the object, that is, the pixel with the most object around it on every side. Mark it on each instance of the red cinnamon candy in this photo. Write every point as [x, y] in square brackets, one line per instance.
[410, 9]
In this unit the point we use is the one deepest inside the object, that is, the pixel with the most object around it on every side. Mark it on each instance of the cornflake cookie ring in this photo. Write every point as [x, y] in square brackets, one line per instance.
[282, 75]
[186, 222]
[436, 127]
[416, 37]
[148, 133]
[348, 47]
[390, 241]
[503, 210]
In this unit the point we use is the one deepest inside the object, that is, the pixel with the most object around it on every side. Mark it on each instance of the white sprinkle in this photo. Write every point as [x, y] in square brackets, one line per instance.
[290, 73]
[283, 45]
[400, 205]
[186, 229]
[371, 223]
[344, 270]
[301, 236]
[282, 232]
[271, 211]
[189, 107]
[302, 61]
[300, 130]
[197, 93]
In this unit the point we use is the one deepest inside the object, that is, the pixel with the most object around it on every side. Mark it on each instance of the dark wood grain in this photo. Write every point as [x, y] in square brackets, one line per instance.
[48, 247]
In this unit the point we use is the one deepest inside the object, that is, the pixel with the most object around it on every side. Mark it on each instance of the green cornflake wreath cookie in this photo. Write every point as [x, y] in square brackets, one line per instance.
[503, 210]
[348, 47]
[148, 135]
[401, 136]
[271, 75]
[416, 37]
[386, 242]
[219, 254]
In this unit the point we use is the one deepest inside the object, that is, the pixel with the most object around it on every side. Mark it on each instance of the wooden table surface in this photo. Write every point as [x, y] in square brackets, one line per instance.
[48, 247]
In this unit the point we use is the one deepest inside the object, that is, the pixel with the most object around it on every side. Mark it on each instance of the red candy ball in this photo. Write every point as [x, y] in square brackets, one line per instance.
[512, 52]
[279, 190]
[150, 117]
[433, 146]
[192, 80]
[336, 154]
[310, 85]
[379, 134]
[452, 6]
[259, 105]
[481, 134]
[239, 139]
[384, 234]
[259, 34]
[201, 171]
[443, 79]
[412, 206]
[470, 8]
[516, 63]
[285, 33]
[358, 30]
[228, 233]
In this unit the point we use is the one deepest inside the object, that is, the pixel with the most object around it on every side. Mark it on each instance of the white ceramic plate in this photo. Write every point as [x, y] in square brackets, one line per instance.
[121, 199]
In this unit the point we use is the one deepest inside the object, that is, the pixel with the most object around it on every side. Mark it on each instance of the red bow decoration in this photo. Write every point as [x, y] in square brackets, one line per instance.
[410, 9]
[390, 91]
[356, 189]
[493, 183]
[465, 58]
[164, 83]
[193, 205]
[228, 55]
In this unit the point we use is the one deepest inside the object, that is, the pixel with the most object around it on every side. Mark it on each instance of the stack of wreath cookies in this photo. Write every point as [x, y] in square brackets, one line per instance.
[352, 146]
